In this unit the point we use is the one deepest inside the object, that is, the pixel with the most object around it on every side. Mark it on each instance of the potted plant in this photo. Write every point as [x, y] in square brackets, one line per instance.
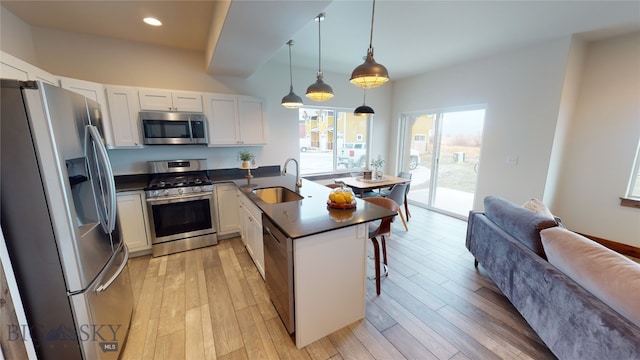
[377, 163]
[246, 158]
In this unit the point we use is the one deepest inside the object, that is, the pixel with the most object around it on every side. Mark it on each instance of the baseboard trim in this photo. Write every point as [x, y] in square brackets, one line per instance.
[623, 249]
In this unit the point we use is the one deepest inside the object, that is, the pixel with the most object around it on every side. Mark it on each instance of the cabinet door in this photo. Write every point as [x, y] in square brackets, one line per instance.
[257, 244]
[132, 216]
[253, 125]
[97, 93]
[227, 200]
[186, 101]
[155, 99]
[123, 109]
[222, 114]
[13, 68]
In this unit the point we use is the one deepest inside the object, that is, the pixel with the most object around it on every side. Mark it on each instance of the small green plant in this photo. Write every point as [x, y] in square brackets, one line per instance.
[246, 156]
[378, 162]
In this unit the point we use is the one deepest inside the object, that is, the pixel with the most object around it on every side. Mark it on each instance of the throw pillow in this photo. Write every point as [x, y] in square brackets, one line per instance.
[611, 277]
[539, 207]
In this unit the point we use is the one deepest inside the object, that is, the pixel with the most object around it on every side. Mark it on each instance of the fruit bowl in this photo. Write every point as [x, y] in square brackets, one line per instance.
[341, 198]
[335, 205]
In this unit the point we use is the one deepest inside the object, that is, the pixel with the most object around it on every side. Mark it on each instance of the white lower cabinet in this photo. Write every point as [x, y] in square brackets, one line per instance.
[227, 209]
[251, 230]
[134, 223]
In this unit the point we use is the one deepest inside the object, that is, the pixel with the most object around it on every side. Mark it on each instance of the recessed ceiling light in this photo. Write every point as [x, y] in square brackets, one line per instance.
[152, 21]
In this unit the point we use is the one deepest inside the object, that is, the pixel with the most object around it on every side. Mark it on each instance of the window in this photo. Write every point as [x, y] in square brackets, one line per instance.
[634, 182]
[331, 140]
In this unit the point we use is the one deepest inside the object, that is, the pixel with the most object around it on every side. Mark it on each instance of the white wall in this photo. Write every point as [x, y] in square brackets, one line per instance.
[522, 92]
[16, 35]
[601, 142]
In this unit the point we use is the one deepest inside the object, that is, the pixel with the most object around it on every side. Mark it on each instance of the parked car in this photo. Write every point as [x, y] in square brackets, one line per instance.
[305, 144]
[414, 159]
[353, 155]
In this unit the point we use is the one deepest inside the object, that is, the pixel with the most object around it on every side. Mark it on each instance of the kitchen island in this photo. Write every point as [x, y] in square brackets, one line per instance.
[329, 254]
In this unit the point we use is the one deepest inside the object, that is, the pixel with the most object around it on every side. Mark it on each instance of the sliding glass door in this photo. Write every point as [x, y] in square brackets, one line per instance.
[442, 151]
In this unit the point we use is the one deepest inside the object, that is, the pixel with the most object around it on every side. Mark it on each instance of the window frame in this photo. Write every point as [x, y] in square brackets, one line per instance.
[633, 187]
[337, 140]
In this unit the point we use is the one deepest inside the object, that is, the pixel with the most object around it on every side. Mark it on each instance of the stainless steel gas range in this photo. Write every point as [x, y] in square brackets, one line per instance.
[180, 200]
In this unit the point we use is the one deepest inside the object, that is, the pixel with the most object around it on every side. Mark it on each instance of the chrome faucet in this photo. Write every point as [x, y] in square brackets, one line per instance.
[284, 171]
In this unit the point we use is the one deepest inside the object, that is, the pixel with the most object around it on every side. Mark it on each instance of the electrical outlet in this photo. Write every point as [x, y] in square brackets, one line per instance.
[512, 160]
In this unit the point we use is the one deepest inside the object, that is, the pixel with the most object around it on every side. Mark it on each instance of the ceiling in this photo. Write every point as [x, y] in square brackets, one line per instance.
[410, 37]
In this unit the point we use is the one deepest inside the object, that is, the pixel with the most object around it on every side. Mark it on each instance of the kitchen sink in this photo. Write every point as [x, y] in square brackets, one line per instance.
[278, 194]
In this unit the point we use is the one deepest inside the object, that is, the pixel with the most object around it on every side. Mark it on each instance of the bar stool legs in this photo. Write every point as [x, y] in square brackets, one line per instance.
[376, 258]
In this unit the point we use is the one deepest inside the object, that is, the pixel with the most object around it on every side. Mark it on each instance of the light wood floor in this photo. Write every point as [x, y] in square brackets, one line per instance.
[211, 303]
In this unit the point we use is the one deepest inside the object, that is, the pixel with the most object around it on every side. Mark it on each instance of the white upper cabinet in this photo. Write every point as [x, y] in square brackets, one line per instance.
[222, 114]
[13, 68]
[251, 114]
[167, 100]
[95, 92]
[124, 109]
[235, 120]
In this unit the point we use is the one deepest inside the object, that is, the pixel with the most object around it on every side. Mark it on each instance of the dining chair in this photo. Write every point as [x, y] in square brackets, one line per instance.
[382, 229]
[398, 194]
[404, 175]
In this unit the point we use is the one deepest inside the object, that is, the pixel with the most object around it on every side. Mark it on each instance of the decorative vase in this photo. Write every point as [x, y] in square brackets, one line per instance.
[378, 174]
[246, 164]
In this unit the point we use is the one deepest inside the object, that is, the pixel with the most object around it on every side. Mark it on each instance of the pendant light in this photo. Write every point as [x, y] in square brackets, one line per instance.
[291, 100]
[319, 91]
[370, 74]
[364, 110]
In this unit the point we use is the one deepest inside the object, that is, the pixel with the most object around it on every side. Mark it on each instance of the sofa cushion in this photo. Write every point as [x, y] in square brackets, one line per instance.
[523, 224]
[611, 277]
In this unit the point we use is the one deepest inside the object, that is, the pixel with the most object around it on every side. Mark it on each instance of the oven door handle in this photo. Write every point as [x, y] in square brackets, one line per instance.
[181, 198]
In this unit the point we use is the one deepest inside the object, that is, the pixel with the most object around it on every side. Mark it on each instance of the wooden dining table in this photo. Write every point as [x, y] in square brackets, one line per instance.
[361, 185]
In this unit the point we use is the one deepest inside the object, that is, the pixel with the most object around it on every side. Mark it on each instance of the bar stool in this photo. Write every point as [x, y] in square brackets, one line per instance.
[382, 229]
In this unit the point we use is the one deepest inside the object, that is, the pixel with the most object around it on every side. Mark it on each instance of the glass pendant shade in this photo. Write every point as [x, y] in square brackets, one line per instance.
[291, 100]
[370, 74]
[319, 91]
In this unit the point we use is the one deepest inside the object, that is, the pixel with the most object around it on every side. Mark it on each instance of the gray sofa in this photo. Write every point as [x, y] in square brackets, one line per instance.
[573, 323]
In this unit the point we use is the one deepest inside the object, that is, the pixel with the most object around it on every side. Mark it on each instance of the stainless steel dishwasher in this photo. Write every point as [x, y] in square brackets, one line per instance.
[278, 269]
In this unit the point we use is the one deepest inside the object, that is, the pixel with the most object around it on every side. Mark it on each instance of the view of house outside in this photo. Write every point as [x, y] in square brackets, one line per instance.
[330, 140]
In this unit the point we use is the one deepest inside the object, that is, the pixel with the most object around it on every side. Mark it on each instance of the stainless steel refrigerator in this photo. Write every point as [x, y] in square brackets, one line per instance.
[58, 215]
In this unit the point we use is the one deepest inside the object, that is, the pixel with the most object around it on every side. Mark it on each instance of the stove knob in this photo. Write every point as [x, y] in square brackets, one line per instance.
[165, 192]
[155, 193]
[197, 189]
[180, 191]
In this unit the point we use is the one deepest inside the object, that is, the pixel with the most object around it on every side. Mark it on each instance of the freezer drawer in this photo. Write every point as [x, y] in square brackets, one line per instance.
[104, 311]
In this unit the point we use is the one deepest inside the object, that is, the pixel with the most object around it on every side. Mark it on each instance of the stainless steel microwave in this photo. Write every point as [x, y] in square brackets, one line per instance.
[173, 128]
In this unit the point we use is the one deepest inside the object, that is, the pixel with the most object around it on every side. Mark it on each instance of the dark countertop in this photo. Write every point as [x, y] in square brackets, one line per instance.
[310, 215]
[296, 219]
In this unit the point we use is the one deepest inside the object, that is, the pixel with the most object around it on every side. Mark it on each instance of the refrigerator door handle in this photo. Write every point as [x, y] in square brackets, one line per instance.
[106, 285]
[111, 184]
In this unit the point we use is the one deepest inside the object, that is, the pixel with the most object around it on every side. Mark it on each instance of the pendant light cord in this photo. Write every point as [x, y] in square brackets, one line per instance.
[290, 42]
[319, 17]
[373, 11]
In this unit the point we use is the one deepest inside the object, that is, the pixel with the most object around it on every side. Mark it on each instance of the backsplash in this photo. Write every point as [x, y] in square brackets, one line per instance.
[134, 161]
